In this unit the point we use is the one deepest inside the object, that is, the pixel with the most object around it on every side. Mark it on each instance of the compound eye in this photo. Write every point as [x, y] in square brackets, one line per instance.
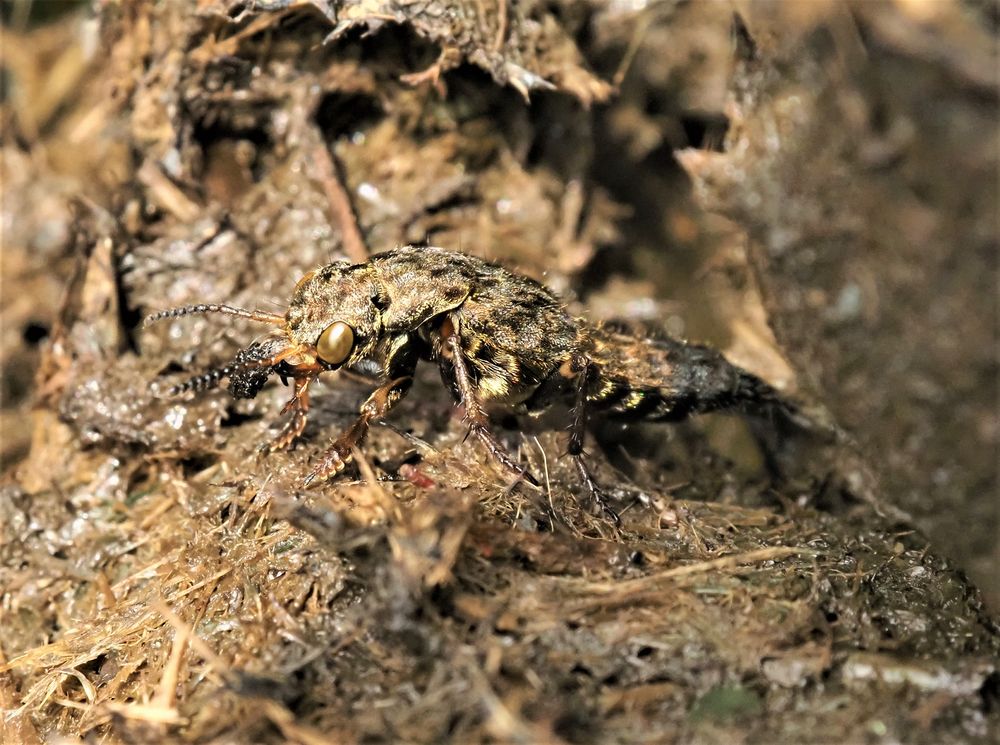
[335, 343]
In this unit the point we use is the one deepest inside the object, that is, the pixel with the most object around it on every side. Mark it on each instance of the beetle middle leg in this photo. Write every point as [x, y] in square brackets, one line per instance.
[475, 413]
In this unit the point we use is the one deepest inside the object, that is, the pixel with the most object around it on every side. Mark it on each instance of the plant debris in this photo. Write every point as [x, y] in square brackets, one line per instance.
[162, 581]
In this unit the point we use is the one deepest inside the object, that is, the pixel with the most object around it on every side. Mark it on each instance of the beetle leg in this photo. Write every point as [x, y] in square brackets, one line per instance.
[578, 429]
[298, 404]
[379, 403]
[475, 414]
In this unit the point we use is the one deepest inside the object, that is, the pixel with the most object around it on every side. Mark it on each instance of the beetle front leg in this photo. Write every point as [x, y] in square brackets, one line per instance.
[298, 404]
[338, 455]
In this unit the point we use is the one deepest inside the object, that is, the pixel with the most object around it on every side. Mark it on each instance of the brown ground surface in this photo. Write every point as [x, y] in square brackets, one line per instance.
[826, 170]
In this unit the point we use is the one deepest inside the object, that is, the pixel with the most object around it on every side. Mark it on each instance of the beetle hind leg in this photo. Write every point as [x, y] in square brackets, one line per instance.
[578, 429]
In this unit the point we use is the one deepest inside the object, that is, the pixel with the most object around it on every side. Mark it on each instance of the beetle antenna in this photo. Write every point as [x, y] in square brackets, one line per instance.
[247, 372]
[210, 378]
[202, 382]
[189, 310]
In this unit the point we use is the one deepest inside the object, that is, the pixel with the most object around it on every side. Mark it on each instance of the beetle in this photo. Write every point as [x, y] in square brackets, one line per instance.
[499, 338]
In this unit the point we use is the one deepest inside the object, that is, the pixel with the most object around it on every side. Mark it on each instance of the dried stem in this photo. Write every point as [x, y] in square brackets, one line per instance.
[340, 203]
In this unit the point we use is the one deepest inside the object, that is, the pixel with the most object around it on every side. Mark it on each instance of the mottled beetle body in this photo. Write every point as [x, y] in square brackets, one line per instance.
[499, 339]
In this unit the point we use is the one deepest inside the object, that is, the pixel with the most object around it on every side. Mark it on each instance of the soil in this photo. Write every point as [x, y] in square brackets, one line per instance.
[810, 187]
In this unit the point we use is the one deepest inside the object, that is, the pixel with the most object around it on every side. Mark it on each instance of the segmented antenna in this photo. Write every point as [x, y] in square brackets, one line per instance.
[189, 310]
[247, 373]
[203, 382]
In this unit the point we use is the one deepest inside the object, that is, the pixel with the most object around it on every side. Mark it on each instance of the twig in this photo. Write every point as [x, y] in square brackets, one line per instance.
[723, 562]
[216, 662]
[501, 25]
[149, 713]
[340, 203]
[302, 734]
[638, 36]
[15, 725]
[503, 722]
[213, 48]
[166, 194]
